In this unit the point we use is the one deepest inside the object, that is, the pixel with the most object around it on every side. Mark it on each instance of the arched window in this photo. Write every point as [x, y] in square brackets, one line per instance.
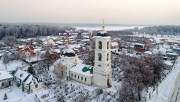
[72, 75]
[108, 45]
[85, 79]
[107, 56]
[99, 57]
[100, 45]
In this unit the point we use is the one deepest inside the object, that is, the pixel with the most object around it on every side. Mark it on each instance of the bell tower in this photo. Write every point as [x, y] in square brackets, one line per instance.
[102, 75]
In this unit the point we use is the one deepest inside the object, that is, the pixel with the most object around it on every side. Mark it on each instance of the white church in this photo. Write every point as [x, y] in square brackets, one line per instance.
[70, 67]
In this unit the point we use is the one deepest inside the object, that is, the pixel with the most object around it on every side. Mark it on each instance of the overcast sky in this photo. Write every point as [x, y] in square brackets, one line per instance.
[91, 11]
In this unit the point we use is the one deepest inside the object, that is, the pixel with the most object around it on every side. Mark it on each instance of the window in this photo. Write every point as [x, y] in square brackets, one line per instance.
[108, 45]
[75, 76]
[107, 56]
[99, 57]
[72, 75]
[99, 65]
[21, 75]
[100, 45]
[81, 78]
[78, 76]
[2, 84]
[36, 86]
[85, 79]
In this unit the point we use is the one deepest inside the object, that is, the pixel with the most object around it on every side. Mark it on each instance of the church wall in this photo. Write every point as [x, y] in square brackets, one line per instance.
[82, 79]
[100, 80]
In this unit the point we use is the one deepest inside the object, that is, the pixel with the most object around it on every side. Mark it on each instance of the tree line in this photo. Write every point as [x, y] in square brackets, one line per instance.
[31, 30]
[166, 30]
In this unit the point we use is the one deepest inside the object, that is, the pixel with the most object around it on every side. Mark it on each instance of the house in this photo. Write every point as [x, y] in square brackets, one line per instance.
[5, 79]
[140, 47]
[114, 45]
[26, 81]
[26, 50]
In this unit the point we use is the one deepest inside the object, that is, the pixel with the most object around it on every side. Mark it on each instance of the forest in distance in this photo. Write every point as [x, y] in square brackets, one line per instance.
[33, 30]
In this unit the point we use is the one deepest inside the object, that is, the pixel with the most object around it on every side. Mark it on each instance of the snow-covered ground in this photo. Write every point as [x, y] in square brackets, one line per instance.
[16, 94]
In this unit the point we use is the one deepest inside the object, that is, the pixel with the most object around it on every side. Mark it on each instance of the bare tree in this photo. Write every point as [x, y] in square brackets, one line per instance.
[5, 59]
[17, 55]
[59, 70]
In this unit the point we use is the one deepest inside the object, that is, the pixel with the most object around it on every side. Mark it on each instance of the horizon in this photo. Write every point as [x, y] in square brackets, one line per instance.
[86, 24]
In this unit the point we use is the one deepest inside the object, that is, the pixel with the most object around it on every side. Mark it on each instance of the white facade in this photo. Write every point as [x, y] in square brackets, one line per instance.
[81, 78]
[67, 63]
[102, 68]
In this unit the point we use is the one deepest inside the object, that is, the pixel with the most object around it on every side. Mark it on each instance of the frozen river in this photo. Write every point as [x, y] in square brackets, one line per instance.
[108, 27]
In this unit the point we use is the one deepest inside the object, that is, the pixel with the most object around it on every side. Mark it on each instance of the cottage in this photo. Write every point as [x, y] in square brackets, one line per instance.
[26, 50]
[5, 79]
[26, 81]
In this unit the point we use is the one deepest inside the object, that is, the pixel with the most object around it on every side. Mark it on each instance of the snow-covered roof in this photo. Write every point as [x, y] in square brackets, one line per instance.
[139, 44]
[49, 41]
[102, 33]
[114, 44]
[37, 50]
[78, 68]
[5, 75]
[148, 52]
[75, 46]
[56, 50]
[172, 53]
[21, 46]
[68, 50]
[31, 80]
[20, 74]
[59, 42]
